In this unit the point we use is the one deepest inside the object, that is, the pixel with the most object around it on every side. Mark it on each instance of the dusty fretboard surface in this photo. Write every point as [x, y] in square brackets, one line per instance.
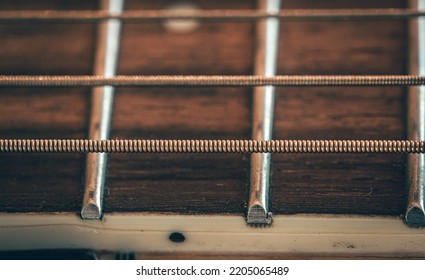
[370, 184]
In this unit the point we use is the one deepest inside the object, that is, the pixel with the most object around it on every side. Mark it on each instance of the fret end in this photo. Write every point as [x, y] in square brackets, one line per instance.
[91, 211]
[257, 216]
[415, 217]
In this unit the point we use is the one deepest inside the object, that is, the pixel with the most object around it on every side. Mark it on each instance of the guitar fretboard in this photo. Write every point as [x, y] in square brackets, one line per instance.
[265, 77]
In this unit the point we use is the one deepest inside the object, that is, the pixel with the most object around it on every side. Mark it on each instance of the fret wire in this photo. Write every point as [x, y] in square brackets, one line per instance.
[216, 81]
[415, 210]
[267, 41]
[209, 146]
[219, 15]
[102, 98]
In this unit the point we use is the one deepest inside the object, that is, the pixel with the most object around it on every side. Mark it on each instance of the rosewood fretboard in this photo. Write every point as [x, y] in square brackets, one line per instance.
[207, 183]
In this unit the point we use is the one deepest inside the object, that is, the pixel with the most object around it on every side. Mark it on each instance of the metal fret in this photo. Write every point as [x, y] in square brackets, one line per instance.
[101, 110]
[415, 212]
[217, 15]
[263, 111]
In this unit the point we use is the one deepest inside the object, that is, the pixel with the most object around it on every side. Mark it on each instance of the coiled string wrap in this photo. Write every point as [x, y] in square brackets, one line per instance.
[209, 146]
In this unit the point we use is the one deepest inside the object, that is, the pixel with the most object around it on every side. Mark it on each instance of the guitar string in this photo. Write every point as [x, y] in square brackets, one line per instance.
[243, 146]
[215, 80]
[209, 146]
[219, 15]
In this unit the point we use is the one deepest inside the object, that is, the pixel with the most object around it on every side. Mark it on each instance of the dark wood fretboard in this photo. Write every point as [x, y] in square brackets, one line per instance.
[207, 183]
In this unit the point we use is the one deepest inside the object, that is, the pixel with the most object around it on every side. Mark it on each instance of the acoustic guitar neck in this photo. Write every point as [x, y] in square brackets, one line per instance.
[344, 76]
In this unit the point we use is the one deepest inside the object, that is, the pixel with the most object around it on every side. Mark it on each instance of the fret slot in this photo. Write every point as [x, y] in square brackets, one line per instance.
[102, 99]
[263, 110]
[415, 212]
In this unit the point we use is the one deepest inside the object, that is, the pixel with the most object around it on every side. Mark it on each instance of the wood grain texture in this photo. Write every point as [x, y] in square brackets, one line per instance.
[196, 183]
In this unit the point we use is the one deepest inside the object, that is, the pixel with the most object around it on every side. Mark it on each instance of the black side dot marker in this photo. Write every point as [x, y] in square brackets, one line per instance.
[177, 237]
